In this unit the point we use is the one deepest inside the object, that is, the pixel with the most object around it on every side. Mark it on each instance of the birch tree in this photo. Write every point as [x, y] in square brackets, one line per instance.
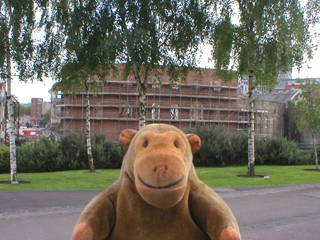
[148, 37]
[16, 59]
[259, 39]
[82, 82]
[307, 112]
[72, 51]
[152, 37]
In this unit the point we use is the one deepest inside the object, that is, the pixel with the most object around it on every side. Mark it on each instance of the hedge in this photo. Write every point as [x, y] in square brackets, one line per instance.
[67, 153]
[219, 148]
[222, 149]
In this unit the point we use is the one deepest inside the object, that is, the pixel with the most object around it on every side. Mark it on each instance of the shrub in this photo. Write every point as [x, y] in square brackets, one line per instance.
[115, 154]
[213, 149]
[280, 151]
[237, 150]
[4, 159]
[220, 149]
[106, 154]
[42, 155]
[74, 149]
[68, 153]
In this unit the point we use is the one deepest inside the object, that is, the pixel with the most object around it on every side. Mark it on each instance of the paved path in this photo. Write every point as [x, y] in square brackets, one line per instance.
[277, 213]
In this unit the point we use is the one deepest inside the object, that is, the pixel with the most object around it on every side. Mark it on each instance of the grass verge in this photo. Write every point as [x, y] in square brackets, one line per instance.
[214, 177]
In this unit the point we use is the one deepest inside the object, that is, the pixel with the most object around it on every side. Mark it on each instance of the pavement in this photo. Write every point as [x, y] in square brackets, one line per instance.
[263, 213]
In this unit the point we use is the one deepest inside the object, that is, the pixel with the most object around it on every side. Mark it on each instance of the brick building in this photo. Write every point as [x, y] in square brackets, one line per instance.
[272, 108]
[204, 99]
[36, 111]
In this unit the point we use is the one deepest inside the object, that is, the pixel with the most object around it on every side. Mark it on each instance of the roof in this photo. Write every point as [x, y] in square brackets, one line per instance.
[282, 97]
[292, 81]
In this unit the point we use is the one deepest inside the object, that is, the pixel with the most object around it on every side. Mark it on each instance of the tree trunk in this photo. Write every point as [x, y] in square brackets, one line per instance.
[315, 150]
[88, 132]
[251, 133]
[142, 89]
[11, 129]
[142, 105]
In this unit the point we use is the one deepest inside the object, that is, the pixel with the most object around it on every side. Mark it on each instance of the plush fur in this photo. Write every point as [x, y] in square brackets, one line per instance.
[158, 195]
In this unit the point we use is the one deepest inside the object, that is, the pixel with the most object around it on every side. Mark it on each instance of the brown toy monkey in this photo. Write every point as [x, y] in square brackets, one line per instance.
[158, 195]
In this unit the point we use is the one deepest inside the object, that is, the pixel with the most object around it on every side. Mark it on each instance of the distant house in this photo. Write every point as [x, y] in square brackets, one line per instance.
[36, 111]
[45, 107]
[287, 84]
[25, 120]
[278, 105]
[278, 96]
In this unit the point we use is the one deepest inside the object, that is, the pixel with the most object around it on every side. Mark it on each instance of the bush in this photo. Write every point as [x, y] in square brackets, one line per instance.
[106, 154]
[280, 151]
[74, 149]
[67, 153]
[42, 155]
[213, 149]
[4, 159]
[115, 154]
[237, 150]
[220, 149]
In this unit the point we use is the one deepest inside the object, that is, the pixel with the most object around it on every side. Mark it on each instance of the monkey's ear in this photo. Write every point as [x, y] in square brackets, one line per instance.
[195, 142]
[126, 137]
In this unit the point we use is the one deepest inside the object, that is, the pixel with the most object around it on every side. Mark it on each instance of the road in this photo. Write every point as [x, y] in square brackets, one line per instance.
[277, 213]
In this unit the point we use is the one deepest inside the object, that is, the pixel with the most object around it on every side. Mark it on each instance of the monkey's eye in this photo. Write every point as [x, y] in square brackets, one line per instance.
[176, 144]
[145, 144]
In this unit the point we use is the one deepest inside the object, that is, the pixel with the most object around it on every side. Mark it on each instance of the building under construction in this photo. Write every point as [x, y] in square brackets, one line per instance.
[202, 99]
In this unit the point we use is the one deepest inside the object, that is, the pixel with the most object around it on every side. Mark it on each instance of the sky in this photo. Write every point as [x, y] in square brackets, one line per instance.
[25, 91]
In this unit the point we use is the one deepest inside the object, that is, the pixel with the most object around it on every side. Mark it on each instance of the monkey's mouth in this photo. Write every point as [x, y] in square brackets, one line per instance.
[160, 187]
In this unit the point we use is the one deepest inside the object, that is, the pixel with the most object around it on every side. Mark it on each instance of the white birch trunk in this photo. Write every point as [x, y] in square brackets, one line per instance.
[12, 141]
[142, 89]
[315, 151]
[251, 132]
[88, 132]
[11, 129]
[142, 107]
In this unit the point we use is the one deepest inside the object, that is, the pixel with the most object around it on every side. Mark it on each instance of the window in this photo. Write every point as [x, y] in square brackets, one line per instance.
[196, 111]
[197, 81]
[174, 111]
[126, 109]
[98, 112]
[155, 112]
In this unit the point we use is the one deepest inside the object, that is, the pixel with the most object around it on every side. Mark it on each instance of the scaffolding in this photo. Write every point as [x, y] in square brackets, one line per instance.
[205, 101]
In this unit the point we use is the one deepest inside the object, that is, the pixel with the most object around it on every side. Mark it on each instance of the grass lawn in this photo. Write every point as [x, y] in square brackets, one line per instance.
[214, 177]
